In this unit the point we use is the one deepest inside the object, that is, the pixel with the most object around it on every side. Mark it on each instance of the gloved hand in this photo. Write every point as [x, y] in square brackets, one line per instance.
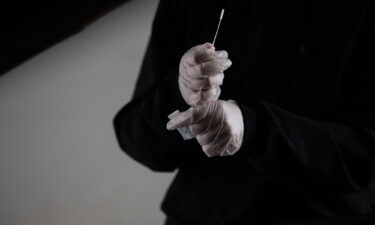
[217, 125]
[201, 73]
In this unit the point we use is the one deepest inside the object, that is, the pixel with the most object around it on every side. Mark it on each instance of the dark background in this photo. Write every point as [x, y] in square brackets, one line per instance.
[29, 27]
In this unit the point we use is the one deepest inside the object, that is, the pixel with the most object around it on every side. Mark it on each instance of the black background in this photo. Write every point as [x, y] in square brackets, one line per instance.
[28, 27]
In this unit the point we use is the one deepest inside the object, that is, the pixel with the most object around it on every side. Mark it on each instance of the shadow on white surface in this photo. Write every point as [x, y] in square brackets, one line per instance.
[59, 160]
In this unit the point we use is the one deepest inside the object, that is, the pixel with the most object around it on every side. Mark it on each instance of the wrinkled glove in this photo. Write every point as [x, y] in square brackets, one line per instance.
[217, 125]
[201, 74]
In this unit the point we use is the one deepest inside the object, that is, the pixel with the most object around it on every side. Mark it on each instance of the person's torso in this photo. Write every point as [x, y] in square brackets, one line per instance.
[295, 55]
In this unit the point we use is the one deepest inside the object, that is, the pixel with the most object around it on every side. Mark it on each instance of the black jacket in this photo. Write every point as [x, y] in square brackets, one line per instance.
[303, 74]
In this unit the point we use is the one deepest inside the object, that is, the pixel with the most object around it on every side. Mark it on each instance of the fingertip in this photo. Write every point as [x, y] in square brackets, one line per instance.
[210, 47]
[221, 54]
[173, 115]
[229, 63]
[223, 64]
[170, 126]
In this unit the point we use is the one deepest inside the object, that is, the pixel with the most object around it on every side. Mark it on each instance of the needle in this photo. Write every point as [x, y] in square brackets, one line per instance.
[218, 26]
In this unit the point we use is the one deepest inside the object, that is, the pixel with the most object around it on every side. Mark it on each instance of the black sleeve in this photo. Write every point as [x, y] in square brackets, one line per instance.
[336, 155]
[140, 126]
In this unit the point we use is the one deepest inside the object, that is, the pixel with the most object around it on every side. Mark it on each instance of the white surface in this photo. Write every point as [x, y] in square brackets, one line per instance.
[59, 159]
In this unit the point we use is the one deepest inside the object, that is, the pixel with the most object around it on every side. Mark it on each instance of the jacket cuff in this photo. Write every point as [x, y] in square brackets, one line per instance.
[176, 95]
[248, 147]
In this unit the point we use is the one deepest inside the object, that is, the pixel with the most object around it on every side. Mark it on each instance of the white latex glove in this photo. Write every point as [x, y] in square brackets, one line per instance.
[201, 73]
[217, 125]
